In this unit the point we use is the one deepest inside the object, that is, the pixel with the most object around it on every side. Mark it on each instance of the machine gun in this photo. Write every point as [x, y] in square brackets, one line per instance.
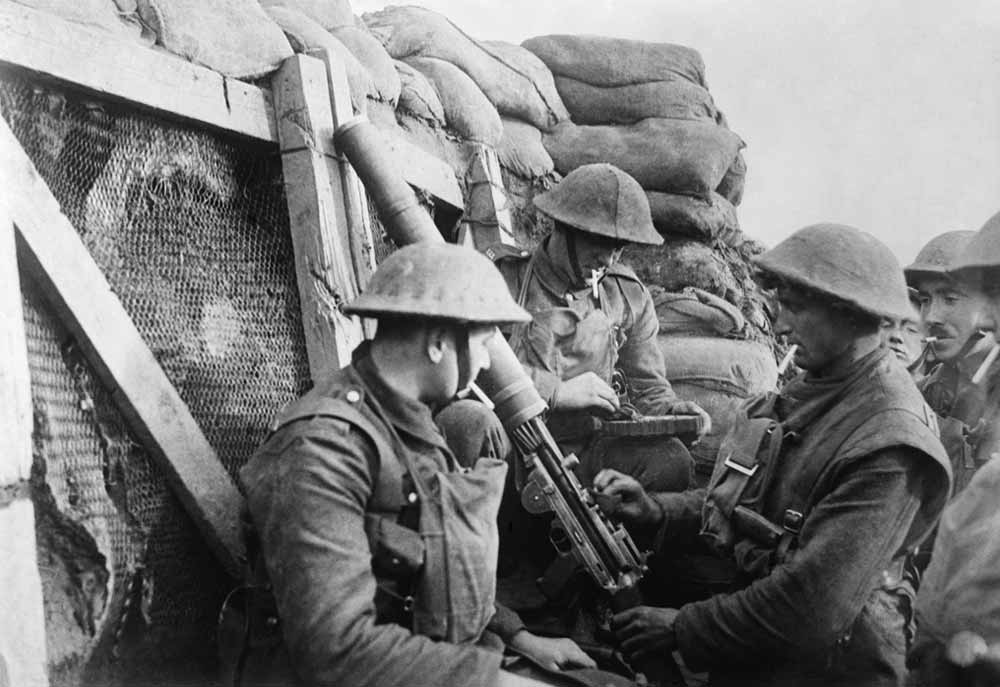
[604, 548]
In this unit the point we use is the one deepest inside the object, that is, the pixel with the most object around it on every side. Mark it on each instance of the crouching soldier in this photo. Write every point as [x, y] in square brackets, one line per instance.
[818, 494]
[380, 552]
[958, 607]
[592, 316]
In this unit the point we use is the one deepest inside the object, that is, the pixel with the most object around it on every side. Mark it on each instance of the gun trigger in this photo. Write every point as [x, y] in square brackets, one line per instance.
[533, 499]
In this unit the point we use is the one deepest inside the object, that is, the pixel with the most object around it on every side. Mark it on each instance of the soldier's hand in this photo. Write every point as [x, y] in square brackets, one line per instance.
[586, 392]
[645, 631]
[553, 653]
[633, 504]
[692, 408]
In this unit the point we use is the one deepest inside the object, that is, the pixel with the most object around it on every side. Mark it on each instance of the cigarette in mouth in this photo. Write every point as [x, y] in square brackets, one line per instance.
[929, 339]
[990, 358]
[787, 360]
[478, 393]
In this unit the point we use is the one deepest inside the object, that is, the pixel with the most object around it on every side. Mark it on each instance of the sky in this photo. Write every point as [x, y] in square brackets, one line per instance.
[882, 115]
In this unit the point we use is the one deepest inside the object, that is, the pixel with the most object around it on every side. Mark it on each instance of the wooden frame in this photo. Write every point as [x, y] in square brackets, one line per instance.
[22, 634]
[53, 253]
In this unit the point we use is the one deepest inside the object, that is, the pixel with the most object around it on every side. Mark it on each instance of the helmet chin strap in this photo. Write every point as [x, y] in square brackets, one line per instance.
[463, 359]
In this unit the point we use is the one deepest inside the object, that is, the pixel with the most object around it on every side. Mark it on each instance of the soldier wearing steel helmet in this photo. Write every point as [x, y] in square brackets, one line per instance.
[952, 313]
[958, 607]
[819, 491]
[592, 316]
[379, 549]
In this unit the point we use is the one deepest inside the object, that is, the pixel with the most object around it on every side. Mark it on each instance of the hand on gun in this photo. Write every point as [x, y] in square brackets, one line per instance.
[586, 392]
[645, 632]
[692, 408]
[630, 501]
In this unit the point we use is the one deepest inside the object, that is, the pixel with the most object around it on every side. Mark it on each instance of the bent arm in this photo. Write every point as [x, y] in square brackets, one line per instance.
[641, 358]
[804, 606]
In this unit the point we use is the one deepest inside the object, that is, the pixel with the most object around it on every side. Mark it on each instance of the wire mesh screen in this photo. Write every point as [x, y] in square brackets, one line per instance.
[191, 231]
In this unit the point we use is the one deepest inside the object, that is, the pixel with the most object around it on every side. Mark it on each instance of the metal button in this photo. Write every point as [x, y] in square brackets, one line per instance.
[353, 396]
[412, 497]
[395, 561]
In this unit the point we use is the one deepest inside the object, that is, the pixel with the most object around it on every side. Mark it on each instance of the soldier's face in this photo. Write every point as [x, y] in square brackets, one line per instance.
[596, 253]
[458, 355]
[903, 338]
[951, 313]
[821, 333]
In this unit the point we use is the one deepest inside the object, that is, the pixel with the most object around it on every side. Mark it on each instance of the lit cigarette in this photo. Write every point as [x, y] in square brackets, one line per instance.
[990, 358]
[929, 339]
[787, 360]
[478, 393]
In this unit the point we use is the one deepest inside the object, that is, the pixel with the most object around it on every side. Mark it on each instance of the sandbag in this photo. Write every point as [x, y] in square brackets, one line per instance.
[417, 96]
[466, 108]
[717, 374]
[233, 37]
[603, 61]
[509, 83]
[304, 35]
[672, 155]
[680, 263]
[94, 13]
[731, 186]
[521, 150]
[524, 62]
[672, 98]
[694, 312]
[712, 219]
[375, 59]
[329, 14]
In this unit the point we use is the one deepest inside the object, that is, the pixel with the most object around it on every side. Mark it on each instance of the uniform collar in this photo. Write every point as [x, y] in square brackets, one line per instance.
[408, 415]
[553, 277]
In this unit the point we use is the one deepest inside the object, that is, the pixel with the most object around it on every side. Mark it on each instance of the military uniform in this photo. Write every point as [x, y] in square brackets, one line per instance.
[573, 332]
[847, 477]
[335, 495]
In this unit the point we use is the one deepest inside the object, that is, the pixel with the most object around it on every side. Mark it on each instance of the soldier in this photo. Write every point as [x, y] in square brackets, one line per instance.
[592, 316]
[950, 311]
[380, 551]
[818, 494]
[958, 608]
[904, 337]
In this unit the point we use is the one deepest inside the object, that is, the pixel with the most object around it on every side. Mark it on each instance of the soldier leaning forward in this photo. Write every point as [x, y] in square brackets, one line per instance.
[380, 551]
[590, 316]
[818, 493]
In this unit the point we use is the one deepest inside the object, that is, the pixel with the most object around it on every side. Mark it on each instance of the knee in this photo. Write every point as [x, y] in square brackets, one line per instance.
[473, 431]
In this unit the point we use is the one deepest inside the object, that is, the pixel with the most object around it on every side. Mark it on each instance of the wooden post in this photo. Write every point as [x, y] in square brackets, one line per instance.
[52, 251]
[317, 212]
[22, 633]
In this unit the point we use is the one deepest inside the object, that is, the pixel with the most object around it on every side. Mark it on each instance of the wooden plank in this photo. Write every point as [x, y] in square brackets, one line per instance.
[22, 634]
[51, 250]
[488, 225]
[102, 62]
[359, 222]
[425, 171]
[317, 213]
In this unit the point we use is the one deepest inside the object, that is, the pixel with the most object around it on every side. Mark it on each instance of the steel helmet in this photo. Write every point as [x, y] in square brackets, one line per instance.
[981, 256]
[845, 263]
[603, 200]
[934, 258]
[439, 280]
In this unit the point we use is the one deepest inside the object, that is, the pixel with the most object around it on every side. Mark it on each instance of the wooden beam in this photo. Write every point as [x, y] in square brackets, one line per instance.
[425, 171]
[123, 70]
[52, 251]
[22, 634]
[317, 212]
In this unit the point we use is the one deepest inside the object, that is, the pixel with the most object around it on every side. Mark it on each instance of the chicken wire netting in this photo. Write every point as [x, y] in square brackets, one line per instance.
[190, 229]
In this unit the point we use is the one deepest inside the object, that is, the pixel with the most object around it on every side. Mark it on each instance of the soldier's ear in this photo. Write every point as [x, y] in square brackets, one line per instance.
[436, 342]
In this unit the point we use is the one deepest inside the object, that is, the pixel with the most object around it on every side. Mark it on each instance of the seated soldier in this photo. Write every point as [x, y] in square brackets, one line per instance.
[379, 549]
[592, 316]
[819, 494]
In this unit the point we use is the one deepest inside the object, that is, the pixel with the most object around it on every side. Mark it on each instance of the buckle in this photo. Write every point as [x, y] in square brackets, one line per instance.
[408, 604]
[792, 522]
[743, 469]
